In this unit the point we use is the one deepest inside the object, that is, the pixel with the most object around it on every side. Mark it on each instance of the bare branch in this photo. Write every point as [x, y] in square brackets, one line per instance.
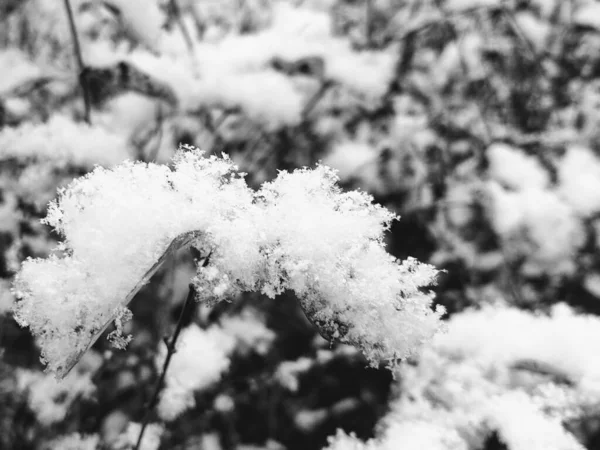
[80, 64]
[171, 345]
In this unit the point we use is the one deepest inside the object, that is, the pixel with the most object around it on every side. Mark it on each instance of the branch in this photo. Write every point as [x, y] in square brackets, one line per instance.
[171, 348]
[368, 27]
[80, 64]
[184, 31]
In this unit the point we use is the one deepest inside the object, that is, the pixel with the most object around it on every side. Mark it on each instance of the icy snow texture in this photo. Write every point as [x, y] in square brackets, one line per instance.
[299, 232]
[579, 174]
[201, 357]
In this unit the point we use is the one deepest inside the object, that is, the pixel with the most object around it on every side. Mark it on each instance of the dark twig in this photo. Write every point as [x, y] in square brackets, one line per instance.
[170, 352]
[80, 64]
[312, 102]
[184, 31]
[368, 24]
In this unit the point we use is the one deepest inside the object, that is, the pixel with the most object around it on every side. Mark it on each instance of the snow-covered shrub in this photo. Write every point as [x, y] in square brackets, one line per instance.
[299, 232]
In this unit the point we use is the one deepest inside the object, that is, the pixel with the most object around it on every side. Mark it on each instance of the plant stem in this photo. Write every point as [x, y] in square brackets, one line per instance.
[170, 352]
[312, 102]
[189, 42]
[184, 31]
[79, 59]
[368, 24]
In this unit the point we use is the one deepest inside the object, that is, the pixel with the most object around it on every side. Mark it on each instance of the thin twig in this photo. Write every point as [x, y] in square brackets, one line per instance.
[170, 352]
[184, 31]
[189, 42]
[80, 64]
[368, 26]
[312, 102]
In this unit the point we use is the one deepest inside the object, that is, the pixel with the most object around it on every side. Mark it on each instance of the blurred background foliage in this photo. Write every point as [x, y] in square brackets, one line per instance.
[476, 121]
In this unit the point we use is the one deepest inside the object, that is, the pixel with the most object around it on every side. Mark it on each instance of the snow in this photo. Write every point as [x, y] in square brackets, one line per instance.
[462, 5]
[117, 223]
[150, 441]
[351, 159]
[409, 435]
[579, 176]
[563, 340]
[523, 426]
[143, 18]
[588, 15]
[543, 221]
[76, 441]
[201, 357]
[22, 70]
[49, 399]
[61, 142]
[514, 169]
